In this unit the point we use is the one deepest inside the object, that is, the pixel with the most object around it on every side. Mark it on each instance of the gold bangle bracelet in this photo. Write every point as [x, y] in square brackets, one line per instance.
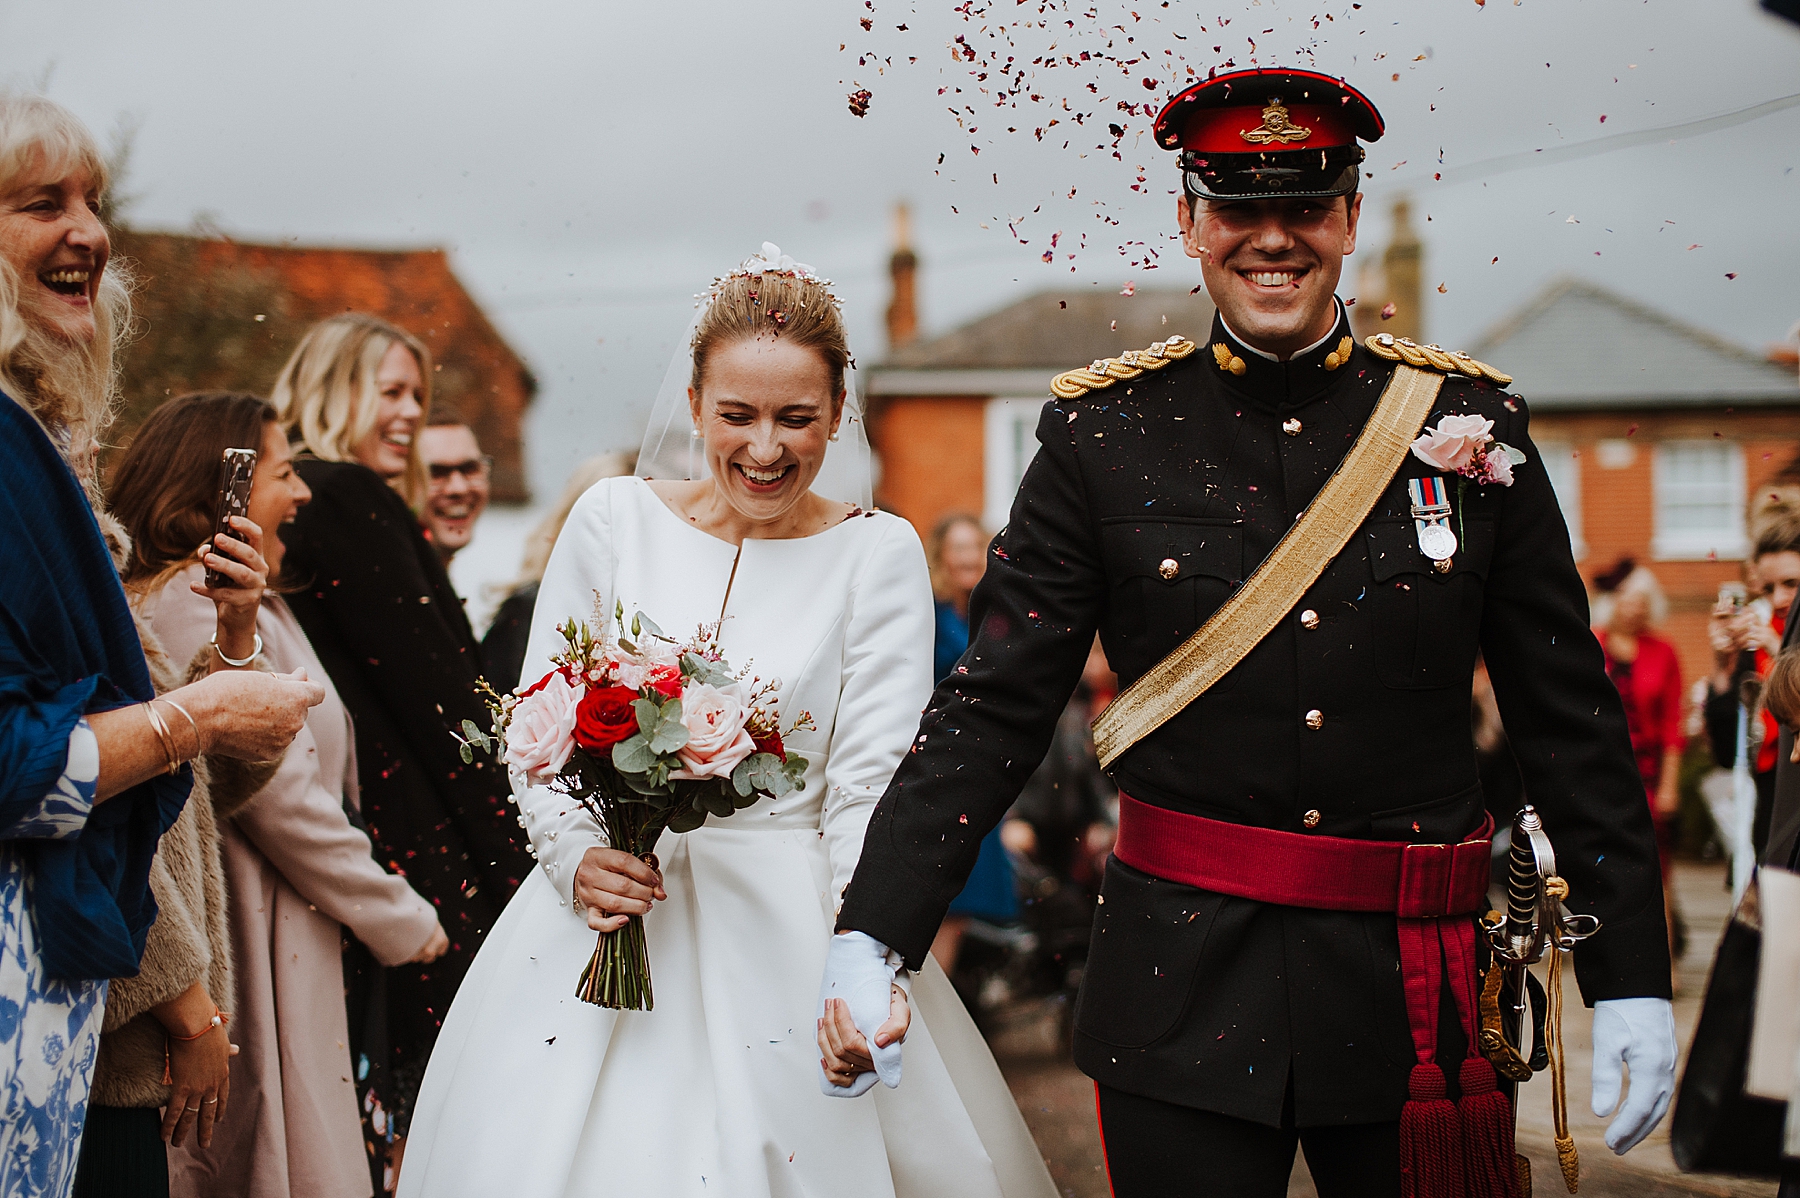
[161, 728]
[199, 744]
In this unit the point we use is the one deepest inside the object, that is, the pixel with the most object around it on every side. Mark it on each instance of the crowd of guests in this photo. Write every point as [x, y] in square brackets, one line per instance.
[242, 864]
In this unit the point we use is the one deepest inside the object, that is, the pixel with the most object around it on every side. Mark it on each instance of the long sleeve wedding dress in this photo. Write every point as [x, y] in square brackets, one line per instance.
[535, 1094]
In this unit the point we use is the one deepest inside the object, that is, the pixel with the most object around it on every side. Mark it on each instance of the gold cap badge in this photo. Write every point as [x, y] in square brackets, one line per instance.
[1276, 127]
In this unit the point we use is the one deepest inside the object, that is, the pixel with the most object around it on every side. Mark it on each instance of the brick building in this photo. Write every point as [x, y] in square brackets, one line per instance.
[1658, 436]
[217, 314]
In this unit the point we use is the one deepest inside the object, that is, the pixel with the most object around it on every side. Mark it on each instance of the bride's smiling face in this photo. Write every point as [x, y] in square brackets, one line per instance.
[767, 413]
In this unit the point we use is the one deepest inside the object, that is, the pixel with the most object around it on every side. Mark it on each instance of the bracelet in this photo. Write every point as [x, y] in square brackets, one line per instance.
[236, 662]
[158, 726]
[199, 744]
[219, 1019]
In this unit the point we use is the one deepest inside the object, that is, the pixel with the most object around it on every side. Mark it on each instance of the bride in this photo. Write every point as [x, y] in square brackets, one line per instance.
[751, 508]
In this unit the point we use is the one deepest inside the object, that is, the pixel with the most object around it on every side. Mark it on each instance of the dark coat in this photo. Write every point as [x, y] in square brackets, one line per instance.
[1210, 1001]
[379, 609]
[1784, 832]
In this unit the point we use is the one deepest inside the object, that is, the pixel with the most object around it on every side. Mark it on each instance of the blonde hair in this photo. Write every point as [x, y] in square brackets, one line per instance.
[1775, 525]
[773, 304]
[934, 547]
[71, 390]
[326, 395]
[1639, 581]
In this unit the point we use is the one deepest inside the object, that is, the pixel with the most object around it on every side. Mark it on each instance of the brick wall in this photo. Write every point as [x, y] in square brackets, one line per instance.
[1618, 503]
[930, 449]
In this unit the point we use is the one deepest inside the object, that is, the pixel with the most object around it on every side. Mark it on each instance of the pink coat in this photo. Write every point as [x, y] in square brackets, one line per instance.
[297, 873]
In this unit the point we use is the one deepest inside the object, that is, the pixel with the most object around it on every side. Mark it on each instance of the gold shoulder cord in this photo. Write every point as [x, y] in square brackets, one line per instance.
[1133, 363]
[1316, 538]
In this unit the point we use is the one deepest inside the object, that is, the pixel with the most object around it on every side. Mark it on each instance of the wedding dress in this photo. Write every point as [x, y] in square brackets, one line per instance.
[532, 1093]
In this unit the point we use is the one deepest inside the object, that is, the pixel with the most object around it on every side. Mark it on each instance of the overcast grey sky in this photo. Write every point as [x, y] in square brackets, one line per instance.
[593, 165]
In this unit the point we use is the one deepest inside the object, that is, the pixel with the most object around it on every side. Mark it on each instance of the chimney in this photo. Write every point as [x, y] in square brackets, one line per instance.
[903, 269]
[1403, 263]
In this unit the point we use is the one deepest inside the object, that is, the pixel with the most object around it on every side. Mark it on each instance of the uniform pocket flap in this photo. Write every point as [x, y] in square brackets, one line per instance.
[1172, 550]
[1148, 938]
[1394, 549]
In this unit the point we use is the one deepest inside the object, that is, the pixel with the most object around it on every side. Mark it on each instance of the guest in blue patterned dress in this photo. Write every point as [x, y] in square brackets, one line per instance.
[91, 771]
[957, 553]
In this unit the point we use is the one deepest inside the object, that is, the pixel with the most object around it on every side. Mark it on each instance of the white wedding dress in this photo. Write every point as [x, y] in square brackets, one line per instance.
[532, 1093]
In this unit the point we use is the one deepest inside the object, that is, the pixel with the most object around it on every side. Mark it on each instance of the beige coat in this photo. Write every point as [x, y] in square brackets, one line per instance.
[190, 940]
[298, 873]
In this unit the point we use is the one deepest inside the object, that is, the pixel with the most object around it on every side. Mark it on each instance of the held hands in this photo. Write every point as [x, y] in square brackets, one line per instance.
[1640, 1032]
[242, 562]
[860, 1005]
[614, 886]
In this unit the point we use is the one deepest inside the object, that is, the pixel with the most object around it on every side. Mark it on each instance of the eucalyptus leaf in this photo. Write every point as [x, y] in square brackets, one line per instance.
[717, 804]
[467, 754]
[633, 755]
[661, 724]
[649, 626]
[686, 819]
[740, 778]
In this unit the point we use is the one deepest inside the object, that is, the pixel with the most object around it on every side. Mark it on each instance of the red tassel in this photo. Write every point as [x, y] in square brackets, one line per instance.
[1431, 1164]
[1487, 1133]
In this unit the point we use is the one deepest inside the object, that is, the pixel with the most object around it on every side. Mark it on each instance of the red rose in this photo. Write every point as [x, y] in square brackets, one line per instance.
[664, 680]
[770, 743]
[604, 718]
[539, 685]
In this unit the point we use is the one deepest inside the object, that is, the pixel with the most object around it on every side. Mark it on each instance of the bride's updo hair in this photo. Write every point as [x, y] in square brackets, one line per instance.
[773, 304]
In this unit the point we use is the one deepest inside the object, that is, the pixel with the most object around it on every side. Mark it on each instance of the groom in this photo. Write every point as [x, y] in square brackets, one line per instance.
[1231, 1008]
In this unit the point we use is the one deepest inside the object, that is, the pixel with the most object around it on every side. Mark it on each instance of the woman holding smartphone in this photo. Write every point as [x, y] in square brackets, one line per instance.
[296, 871]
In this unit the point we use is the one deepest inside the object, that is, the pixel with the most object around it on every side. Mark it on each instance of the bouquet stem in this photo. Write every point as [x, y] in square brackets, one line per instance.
[618, 974]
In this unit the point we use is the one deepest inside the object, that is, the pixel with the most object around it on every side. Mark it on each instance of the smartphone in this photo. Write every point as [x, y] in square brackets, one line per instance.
[237, 470]
[1732, 597]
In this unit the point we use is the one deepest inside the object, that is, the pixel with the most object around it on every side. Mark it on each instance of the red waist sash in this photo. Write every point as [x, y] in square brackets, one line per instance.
[1290, 869]
[1431, 889]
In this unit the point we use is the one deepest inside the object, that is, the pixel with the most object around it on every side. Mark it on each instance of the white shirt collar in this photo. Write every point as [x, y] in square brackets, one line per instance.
[1263, 353]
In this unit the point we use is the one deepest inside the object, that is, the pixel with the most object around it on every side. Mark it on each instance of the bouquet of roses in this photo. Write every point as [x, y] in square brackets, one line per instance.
[646, 733]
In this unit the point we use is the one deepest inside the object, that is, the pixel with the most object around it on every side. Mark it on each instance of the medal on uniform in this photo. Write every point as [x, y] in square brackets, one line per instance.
[1431, 518]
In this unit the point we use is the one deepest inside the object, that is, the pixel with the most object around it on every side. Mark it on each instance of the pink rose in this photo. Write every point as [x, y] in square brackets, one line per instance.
[717, 739]
[1452, 444]
[635, 669]
[1499, 468]
[541, 735]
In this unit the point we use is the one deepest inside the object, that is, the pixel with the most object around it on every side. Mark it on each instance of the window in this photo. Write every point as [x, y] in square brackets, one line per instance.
[1010, 441]
[1563, 466]
[1699, 501]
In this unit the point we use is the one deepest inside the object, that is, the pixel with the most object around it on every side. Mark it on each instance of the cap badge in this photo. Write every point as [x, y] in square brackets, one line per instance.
[1276, 127]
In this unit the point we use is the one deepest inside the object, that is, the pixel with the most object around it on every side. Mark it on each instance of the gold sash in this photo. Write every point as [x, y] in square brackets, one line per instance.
[1250, 614]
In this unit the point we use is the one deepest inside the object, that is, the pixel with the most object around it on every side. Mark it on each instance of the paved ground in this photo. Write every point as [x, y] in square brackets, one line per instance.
[1058, 1102]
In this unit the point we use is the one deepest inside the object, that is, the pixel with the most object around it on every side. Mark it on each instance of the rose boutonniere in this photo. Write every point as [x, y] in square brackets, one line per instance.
[1465, 445]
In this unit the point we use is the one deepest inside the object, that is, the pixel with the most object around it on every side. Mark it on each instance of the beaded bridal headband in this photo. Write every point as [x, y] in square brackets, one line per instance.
[770, 262]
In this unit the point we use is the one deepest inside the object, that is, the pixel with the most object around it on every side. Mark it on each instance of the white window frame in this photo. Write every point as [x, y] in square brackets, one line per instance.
[1724, 542]
[1562, 465]
[1009, 441]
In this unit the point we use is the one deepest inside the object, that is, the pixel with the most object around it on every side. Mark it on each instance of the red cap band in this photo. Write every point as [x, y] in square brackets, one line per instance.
[1247, 129]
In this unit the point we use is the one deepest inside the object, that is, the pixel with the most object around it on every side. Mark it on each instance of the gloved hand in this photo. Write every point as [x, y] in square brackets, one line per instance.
[1641, 1033]
[860, 970]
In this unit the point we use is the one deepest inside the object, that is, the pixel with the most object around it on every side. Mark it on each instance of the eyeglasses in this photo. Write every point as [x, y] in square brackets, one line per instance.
[475, 469]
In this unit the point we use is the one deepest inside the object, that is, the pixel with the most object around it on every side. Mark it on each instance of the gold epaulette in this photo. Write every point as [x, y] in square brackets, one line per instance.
[1431, 357]
[1104, 372]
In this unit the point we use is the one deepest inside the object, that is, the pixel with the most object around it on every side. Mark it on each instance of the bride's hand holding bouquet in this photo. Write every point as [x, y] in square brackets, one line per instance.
[646, 733]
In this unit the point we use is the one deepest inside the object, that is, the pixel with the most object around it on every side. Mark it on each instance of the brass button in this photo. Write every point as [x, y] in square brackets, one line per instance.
[1169, 568]
[1442, 565]
[1311, 818]
[1315, 719]
[1291, 427]
[1309, 619]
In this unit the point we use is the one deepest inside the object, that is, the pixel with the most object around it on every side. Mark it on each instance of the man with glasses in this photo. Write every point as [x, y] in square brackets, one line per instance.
[459, 485]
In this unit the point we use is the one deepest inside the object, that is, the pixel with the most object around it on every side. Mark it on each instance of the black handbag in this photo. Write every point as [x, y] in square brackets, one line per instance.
[1718, 1128]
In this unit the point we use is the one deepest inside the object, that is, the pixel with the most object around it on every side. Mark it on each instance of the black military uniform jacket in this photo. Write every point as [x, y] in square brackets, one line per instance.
[1147, 503]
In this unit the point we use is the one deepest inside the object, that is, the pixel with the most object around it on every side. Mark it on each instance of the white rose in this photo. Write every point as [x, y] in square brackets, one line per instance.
[717, 740]
[542, 732]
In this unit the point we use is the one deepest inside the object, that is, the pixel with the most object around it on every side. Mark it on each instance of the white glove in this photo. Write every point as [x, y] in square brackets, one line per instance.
[860, 970]
[1641, 1033]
